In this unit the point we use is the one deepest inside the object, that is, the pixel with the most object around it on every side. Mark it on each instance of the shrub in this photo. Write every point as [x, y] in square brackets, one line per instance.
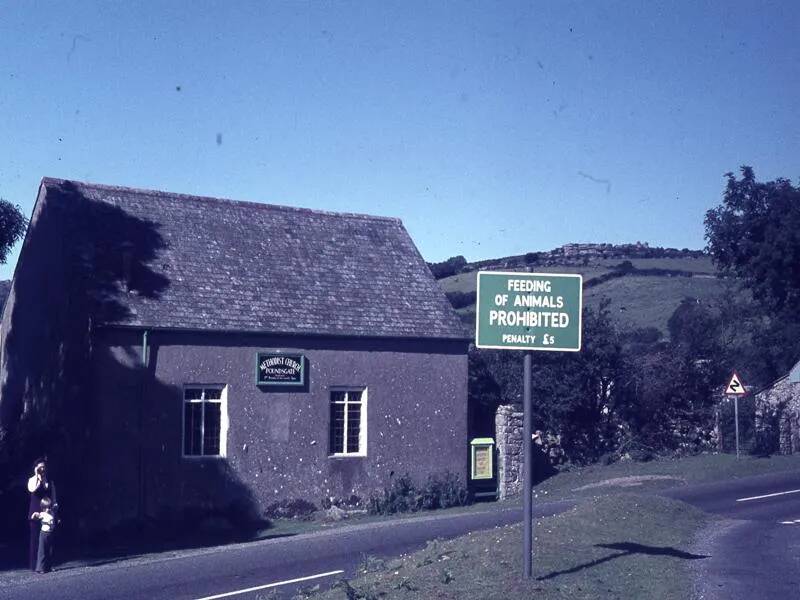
[401, 496]
[625, 266]
[532, 257]
[645, 335]
[451, 266]
[296, 508]
[444, 491]
[440, 491]
[461, 299]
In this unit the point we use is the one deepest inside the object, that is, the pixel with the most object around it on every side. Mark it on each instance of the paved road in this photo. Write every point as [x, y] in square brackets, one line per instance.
[753, 555]
[756, 554]
[209, 573]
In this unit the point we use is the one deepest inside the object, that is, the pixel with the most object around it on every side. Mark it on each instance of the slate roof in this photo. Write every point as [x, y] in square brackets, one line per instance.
[224, 265]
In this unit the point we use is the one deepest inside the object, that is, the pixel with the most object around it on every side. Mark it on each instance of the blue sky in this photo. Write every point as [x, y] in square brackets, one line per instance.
[490, 128]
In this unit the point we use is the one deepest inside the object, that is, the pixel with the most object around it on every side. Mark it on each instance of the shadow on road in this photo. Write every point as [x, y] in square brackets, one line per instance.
[72, 555]
[626, 549]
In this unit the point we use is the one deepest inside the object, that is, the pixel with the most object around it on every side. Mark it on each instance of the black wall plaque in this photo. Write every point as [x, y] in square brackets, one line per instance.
[276, 368]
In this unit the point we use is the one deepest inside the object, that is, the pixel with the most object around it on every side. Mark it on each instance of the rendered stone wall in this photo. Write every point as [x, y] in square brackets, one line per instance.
[508, 434]
[277, 439]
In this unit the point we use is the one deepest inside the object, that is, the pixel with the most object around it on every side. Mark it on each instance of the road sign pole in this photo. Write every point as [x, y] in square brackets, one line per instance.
[736, 388]
[527, 476]
[528, 311]
[736, 418]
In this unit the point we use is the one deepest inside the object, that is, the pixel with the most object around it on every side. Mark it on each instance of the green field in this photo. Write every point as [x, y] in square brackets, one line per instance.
[693, 265]
[465, 282]
[650, 301]
[636, 300]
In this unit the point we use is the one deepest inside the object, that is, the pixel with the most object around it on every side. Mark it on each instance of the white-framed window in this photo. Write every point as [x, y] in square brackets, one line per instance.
[348, 424]
[205, 420]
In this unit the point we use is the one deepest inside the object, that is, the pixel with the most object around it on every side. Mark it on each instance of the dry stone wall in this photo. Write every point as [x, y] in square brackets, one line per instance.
[778, 414]
[547, 451]
[508, 432]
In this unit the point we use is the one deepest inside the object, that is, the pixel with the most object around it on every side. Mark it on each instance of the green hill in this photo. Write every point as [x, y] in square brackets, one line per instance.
[644, 293]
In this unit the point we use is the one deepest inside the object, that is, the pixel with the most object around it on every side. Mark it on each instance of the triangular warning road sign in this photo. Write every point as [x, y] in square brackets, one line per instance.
[735, 386]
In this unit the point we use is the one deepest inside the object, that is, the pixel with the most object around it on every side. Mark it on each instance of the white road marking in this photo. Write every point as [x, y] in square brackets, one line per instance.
[795, 522]
[768, 495]
[271, 585]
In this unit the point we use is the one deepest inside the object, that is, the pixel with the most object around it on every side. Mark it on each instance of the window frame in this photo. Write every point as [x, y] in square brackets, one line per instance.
[223, 419]
[362, 429]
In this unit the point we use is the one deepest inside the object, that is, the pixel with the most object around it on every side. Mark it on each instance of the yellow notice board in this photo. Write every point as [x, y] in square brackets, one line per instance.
[482, 463]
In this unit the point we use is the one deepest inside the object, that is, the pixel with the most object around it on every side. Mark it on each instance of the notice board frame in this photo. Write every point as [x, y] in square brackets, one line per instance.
[298, 357]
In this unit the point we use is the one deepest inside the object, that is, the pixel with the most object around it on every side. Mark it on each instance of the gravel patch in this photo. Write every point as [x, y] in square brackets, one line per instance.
[630, 481]
[706, 584]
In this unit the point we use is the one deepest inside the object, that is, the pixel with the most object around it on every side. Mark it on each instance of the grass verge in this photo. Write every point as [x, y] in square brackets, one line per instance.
[594, 480]
[659, 474]
[618, 546]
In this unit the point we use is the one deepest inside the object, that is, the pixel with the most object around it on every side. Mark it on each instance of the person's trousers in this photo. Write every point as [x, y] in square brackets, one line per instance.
[33, 548]
[44, 559]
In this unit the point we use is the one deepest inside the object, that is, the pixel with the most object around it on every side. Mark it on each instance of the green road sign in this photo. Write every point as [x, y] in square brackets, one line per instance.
[529, 311]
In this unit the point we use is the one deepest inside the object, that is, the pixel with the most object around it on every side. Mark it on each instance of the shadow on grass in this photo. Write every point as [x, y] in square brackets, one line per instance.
[625, 549]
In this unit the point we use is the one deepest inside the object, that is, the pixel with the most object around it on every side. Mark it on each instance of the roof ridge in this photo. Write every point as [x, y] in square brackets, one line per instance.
[178, 195]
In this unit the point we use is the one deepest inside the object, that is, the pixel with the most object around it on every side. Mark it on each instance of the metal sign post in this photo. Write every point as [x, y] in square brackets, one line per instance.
[528, 311]
[736, 419]
[736, 388]
[527, 475]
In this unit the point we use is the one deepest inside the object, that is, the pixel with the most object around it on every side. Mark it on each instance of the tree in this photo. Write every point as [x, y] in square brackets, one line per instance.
[12, 227]
[693, 327]
[573, 393]
[531, 258]
[625, 266]
[665, 404]
[578, 391]
[451, 266]
[755, 235]
[461, 299]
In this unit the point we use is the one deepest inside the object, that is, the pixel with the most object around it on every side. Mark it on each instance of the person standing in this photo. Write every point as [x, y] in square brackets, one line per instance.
[40, 486]
[44, 558]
